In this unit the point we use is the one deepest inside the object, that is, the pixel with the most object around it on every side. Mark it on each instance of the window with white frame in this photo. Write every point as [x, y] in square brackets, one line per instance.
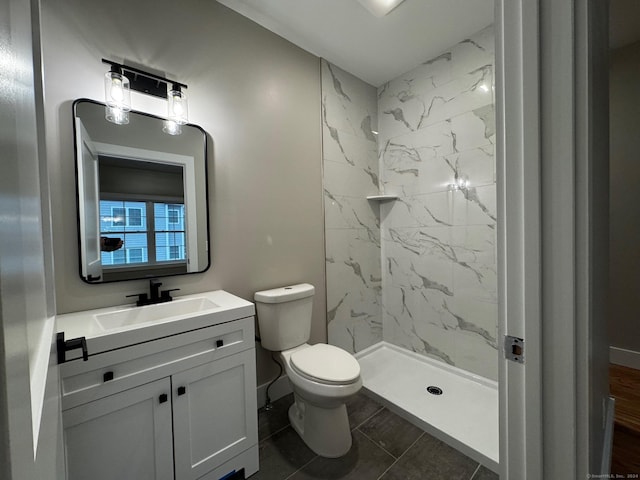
[152, 232]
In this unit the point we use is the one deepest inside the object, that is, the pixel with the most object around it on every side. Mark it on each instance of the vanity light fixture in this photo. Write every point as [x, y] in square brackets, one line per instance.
[178, 107]
[380, 8]
[117, 96]
[121, 79]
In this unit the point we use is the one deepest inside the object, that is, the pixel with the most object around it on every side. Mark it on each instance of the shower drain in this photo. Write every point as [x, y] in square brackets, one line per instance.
[434, 390]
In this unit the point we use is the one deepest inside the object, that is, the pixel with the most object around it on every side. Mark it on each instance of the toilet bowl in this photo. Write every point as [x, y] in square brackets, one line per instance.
[323, 377]
[319, 414]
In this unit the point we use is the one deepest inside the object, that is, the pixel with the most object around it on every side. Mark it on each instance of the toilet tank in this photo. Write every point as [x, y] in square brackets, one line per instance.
[284, 316]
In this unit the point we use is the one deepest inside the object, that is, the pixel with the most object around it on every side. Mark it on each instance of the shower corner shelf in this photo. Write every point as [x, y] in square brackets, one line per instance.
[381, 198]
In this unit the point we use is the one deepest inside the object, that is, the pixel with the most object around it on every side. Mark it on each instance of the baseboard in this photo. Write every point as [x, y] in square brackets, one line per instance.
[279, 389]
[626, 358]
[607, 446]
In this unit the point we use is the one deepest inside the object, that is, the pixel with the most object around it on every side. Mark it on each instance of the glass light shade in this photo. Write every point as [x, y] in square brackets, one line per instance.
[178, 107]
[116, 115]
[117, 92]
[171, 127]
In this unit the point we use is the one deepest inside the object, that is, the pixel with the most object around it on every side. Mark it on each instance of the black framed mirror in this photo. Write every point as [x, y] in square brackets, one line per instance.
[142, 196]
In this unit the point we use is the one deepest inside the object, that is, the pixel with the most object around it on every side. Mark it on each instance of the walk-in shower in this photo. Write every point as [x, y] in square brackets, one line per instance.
[411, 273]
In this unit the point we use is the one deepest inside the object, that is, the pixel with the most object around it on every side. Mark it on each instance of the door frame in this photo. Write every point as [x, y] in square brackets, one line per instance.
[518, 235]
[552, 238]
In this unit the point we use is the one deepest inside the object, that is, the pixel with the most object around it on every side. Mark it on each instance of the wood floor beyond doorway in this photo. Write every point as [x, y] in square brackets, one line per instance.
[625, 387]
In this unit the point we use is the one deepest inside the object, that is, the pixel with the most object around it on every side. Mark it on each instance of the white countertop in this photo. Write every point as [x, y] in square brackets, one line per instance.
[227, 308]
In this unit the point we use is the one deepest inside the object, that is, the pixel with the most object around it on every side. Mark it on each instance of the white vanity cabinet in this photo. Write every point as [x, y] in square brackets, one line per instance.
[180, 407]
[126, 435]
[211, 424]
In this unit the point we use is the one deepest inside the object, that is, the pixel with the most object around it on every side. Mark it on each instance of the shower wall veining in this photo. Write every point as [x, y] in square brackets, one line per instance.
[438, 290]
[352, 223]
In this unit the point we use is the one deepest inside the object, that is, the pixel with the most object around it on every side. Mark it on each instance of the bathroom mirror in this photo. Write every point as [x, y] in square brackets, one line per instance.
[142, 196]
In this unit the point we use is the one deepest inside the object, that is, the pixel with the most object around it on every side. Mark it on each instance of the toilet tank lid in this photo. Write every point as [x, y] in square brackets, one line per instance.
[285, 294]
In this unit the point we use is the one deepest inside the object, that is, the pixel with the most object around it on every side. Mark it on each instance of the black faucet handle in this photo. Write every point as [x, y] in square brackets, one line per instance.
[166, 294]
[154, 289]
[142, 298]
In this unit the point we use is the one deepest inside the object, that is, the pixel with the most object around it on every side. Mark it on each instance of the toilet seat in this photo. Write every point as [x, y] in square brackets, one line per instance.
[325, 364]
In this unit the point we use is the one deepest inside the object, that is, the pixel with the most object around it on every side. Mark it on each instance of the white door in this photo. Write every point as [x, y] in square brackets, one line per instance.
[552, 236]
[89, 205]
[30, 430]
[126, 436]
[214, 414]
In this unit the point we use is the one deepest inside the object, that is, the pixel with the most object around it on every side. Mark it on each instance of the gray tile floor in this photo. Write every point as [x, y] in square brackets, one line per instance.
[385, 447]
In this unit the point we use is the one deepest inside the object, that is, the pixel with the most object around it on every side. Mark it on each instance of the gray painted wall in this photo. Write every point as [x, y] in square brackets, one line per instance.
[258, 97]
[624, 210]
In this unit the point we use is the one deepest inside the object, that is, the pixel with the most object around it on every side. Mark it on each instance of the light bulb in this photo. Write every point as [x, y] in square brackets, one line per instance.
[177, 107]
[117, 91]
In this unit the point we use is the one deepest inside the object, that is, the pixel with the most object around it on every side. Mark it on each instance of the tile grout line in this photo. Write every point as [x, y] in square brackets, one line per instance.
[293, 473]
[314, 458]
[354, 428]
[382, 407]
[380, 446]
[476, 471]
[273, 433]
[398, 459]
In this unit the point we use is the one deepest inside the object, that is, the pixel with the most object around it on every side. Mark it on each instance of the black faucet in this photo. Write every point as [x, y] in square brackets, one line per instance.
[156, 296]
[154, 288]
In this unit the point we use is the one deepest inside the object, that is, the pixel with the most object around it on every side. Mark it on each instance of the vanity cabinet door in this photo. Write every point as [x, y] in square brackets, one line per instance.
[126, 436]
[214, 414]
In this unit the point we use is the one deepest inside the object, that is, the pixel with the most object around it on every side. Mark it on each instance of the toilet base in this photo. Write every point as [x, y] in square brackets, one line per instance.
[326, 431]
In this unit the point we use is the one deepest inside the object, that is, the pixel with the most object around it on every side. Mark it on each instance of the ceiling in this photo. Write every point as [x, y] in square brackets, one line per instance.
[379, 49]
[374, 49]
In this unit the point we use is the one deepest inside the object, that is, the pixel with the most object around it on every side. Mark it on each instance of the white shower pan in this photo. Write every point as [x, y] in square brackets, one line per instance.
[464, 416]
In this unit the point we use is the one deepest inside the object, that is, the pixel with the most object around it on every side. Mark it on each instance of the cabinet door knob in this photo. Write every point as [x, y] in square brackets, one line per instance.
[163, 398]
[219, 343]
[182, 390]
[108, 376]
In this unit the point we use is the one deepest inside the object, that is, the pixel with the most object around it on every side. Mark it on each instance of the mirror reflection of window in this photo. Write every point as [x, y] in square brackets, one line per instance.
[170, 232]
[130, 220]
[124, 220]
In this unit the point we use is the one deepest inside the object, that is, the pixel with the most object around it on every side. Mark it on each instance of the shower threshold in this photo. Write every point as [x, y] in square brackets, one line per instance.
[464, 415]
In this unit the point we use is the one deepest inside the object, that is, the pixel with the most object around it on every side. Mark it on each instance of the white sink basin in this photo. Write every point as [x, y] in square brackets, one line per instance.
[110, 328]
[153, 313]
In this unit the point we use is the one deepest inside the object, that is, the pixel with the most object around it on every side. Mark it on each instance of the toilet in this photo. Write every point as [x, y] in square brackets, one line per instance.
[322, 376]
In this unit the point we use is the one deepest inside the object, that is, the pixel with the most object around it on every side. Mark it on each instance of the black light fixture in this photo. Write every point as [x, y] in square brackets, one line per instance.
[122, 78]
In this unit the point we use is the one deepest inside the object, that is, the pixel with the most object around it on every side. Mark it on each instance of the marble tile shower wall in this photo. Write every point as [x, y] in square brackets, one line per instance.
[352, 224]
[439, 276]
